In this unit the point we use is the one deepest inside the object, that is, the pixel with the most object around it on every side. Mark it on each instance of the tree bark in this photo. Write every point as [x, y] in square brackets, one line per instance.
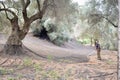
[14, 43]
[91, 39]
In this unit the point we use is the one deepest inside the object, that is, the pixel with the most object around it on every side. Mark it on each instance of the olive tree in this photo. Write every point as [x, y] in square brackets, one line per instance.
[18, 33]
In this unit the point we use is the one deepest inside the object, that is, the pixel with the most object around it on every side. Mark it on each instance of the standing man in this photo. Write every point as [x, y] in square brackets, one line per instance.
[98, 49]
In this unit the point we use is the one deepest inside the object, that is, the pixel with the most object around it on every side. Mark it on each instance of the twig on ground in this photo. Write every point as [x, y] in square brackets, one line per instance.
[13, 62]
[106, 74]
[4, 61]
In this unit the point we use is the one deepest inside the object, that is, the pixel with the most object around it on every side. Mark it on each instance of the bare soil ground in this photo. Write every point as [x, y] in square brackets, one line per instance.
[31, 66]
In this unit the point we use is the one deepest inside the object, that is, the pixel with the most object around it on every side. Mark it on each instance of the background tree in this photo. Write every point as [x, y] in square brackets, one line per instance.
[101, 18]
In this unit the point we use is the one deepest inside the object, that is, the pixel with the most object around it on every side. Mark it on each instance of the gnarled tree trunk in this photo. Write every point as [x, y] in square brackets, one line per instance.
[13, 45]
[14, 42]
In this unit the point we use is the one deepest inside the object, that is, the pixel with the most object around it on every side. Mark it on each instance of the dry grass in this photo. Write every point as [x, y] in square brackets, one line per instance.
[30, 67]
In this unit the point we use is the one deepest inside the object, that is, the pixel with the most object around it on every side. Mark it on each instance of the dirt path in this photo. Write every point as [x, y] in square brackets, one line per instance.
[49, 50]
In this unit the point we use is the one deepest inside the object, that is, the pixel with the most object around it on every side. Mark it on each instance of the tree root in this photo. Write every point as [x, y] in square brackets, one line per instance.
[4, 61]
[13, 49]
[106, 74]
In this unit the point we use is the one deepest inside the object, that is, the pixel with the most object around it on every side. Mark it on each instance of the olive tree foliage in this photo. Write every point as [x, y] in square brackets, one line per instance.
[58, 34]
[102, 19]
[60, 20]
[99, 10]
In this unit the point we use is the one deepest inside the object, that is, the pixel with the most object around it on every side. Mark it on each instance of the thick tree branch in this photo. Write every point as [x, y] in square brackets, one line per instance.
[8, 10]
[39, 14]
[5, 11]
[101, 16]
[110, 22]
[14, 20]
[44, 6]
[25, 5]
[38, 3]
[35, 17]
